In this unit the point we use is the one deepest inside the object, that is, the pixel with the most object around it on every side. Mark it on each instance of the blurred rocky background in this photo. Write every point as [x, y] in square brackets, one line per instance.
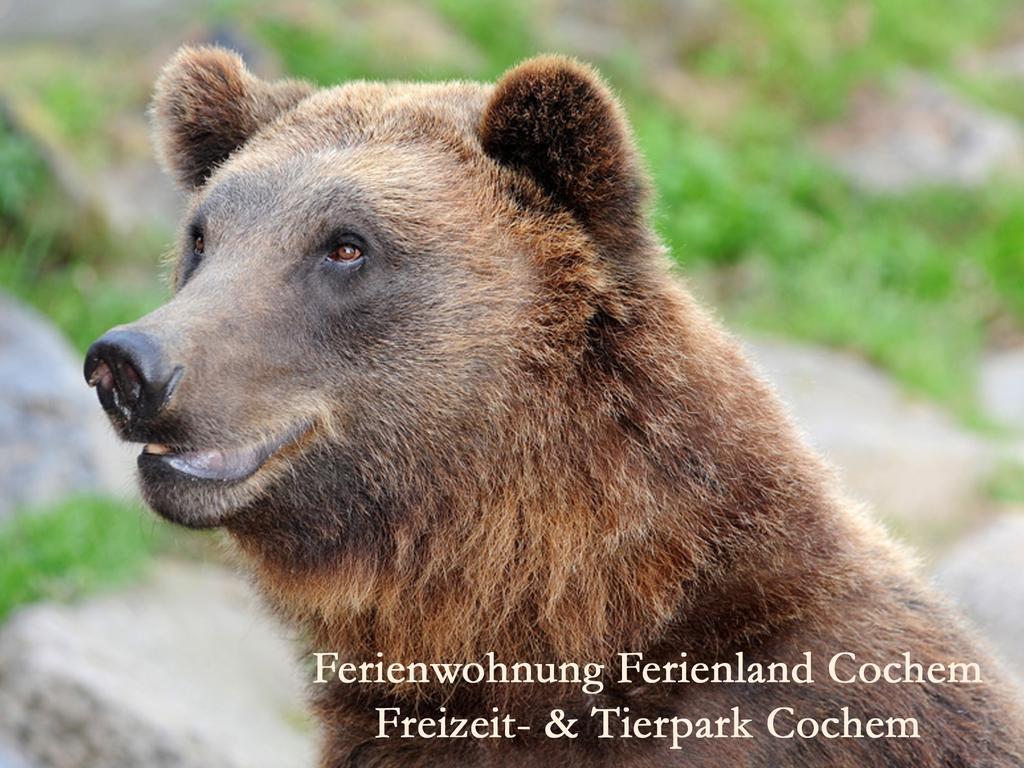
[841, 179]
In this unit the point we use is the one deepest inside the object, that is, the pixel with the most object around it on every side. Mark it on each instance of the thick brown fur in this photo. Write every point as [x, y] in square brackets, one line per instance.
[530, 441]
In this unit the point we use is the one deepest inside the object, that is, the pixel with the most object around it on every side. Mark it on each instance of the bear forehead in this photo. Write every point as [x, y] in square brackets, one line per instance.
[387, 113]
[398, 147]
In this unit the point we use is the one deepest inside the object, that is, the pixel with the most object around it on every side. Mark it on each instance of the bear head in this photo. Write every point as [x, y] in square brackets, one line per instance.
[370, 281]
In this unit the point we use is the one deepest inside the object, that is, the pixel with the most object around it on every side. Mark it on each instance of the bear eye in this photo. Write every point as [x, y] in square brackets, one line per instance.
[346, 253]
[193, 260]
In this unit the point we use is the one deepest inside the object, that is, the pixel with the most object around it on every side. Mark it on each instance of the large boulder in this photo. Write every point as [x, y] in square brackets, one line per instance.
[1004, 62]
[182, 671]
[905, 457]
[983, 574]
[54, 440]
[1002, 387]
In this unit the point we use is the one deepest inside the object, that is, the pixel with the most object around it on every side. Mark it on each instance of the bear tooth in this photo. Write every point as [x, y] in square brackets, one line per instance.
[157, 448]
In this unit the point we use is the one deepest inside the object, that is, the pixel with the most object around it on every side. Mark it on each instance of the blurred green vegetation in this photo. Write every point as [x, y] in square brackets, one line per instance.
[918, 283]
[804, 57]
[1007, 484]
[58, 256]
[72, 548]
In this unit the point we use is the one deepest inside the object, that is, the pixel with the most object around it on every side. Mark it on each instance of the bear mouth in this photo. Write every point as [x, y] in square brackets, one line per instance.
[224, 465]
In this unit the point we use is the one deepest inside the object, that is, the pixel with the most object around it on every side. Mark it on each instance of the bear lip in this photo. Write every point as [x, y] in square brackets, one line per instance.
[223, 464]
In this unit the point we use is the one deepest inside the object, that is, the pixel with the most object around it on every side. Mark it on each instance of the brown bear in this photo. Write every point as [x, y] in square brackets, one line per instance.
[426, 363]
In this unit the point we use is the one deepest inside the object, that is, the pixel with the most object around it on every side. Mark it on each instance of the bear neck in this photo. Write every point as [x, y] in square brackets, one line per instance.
[650, 495]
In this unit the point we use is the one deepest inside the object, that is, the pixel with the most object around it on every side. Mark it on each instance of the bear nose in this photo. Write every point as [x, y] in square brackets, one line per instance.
[132, 375]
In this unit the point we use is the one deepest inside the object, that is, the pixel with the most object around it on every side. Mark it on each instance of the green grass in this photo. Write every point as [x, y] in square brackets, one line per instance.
[805, 56]
[313, 54]
[78, 110]
[912, 282]
[61, 260]
[71, 549]
[500, 30]
[1007, 484]
[84, 300]
[23, 180]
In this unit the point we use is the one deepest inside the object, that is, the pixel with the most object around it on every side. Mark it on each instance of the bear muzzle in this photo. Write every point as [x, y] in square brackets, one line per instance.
[135, 382]
[134, 379]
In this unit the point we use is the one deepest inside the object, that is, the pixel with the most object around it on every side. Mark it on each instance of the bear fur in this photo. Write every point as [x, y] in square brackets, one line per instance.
[520, 432]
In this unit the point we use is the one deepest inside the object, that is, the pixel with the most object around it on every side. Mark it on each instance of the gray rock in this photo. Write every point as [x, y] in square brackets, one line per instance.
[1002, 387]
[53, 438]
[905, 457]
[182, 671]
[1004, 62]
[9, 758]
[919, 133]
[983, 574]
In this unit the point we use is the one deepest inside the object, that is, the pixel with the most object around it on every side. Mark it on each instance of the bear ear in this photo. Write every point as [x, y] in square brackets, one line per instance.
[207, 104]
[557, 121]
